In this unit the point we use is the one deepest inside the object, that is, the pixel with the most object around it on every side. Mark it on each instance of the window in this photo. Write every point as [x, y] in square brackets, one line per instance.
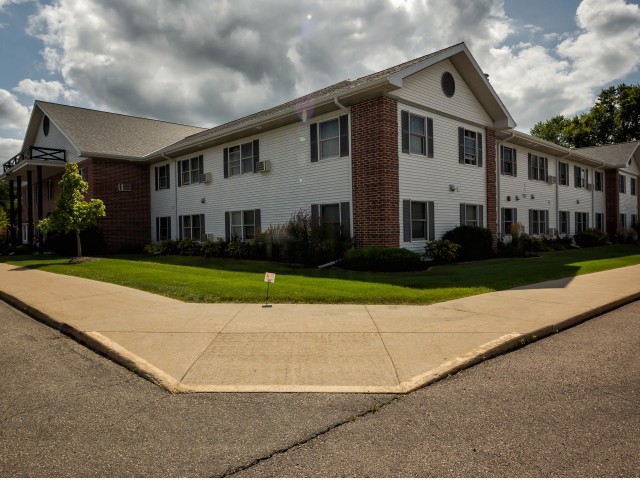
[623, 184]
[469, 147]
[242, 225]
[84, 174]
[538, 167]
[241, 159]
[189, 170]
[50, 189]
[334, 220]
[417, 134]
[581, 176]
[538, 222]
[508, 161]
[192, 226]
[163, 228]
[564, 173]
[418, 220]
[162, 177]
[598, 181]
[600, 222]
[634, 220]
[582, 221]
[623, 220]
[509, 218]
[471, 215]
[330, 139]
[632, 186]
[564, 223]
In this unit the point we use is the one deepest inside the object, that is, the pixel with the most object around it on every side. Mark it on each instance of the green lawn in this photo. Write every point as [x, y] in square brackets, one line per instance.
[196, 279]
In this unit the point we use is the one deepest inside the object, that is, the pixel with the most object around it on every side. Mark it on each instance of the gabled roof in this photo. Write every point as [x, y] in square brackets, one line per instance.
[350, 92]
[616, 155]
[103, 134]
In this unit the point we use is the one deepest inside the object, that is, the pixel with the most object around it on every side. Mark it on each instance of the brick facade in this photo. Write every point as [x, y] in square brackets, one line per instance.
[492, 192]
[612, 200]
[128, 214]
[375, 173]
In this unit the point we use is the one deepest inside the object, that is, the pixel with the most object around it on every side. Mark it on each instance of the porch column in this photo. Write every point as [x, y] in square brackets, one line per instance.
[29, 208]
[19, 219]
[39, 193]
[12, 215]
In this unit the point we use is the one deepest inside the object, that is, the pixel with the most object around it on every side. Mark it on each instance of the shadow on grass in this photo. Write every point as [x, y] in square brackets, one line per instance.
[495, 274]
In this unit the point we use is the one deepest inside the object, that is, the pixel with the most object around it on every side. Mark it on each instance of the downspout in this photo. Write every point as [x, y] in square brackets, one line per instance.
[348, 111]
[175, 182]
[558, 194]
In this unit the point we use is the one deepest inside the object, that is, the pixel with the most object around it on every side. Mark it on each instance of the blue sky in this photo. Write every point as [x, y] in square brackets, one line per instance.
[204, 63]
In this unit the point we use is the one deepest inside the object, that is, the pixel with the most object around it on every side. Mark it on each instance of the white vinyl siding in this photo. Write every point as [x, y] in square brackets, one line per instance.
[57, 140]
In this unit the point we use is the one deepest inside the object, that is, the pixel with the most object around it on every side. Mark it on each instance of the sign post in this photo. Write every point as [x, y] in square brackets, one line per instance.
[269, 278]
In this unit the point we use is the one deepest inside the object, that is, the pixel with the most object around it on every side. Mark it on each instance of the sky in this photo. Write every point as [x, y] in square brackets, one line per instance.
[206, 62]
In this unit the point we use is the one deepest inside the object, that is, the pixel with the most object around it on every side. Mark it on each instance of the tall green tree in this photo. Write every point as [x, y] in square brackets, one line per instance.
[614, 118]
[73, 213]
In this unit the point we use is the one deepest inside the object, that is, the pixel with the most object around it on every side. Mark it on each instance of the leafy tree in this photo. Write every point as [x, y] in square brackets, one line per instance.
[73, 213]
[4, 219]
[614, 118]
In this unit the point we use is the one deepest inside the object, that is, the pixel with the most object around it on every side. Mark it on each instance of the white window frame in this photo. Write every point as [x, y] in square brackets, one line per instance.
[580, 176]
[191, 227]
[471, 148]
[582, 221]
[539, 168]
[243, 229]
[243, 153]
[512, 221]
[598, 183]
[510, 162]
[192, 175]
[50, 189]
[539, 222]
[564, 224]
[563, 174]
[163, 177]
[599, 221]
[84, 174]
[422, 221]
[166, 228]
[476, 208]
[322, 141]
[623, 183]
[421, 136]
[633, 186]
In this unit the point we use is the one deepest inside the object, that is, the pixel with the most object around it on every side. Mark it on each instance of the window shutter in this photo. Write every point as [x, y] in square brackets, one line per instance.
[202, 229]
[481, 215]
[502, 227]
[157, 176]
[576, 176]
[179, 170]
[546, 222]
[431, 220]
[256, 154]
[345, 219]
[576, 227]
[530, 166]
[169, 228]
[515, 215]
[463, 219]
[344, 136]
[157, 226]
[404, 117]
[200, 166]
[257, 222]
[227, 226]
[479, 149]
[530, 222]
[514, 168]
[225, 161]
[502, 159]
[314, 142]
[168, 169]
[461, 145]
[546, 169]
[315, 213]
[406, 219]
[430, 137]
[180, 227]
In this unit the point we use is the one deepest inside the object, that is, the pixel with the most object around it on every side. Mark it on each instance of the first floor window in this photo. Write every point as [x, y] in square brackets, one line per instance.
[598, 181]
[623, 220]
[563, 174]
[418, 220]
[471, 215]
[50, 190]
[242, 225]
[162, 177]
[334, 220]
[163, 228]
[508, 165]
[634, 220]
[538, 167]
[623, 184]
[600, 222]
[582, 221]
[564, 223]
[538, 222]
[509, 218]
[330, 220]
[84, 174]
[192, 226]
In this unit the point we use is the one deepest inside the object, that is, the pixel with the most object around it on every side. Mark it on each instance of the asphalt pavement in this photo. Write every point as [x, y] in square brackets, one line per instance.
[566, 405]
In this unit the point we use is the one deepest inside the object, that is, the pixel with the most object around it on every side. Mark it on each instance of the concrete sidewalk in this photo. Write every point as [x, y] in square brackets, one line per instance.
[188, 347]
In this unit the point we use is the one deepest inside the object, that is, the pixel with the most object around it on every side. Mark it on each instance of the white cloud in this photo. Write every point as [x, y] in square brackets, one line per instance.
[45, 90]
[4, 3]
[207, 62]
[12, 113]
[8, 148]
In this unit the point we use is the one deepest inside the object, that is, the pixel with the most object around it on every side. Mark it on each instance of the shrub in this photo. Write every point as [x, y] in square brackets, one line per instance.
[167, 247]
[590, 238]
[443, 251]
[380, 259]
[236, 249]
[531, 245]
[151, 249]
[188, 247]
[216, 248]
[628, 235]
[475, 243]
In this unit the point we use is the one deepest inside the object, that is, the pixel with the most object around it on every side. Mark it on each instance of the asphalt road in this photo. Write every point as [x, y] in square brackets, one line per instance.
[568, 405]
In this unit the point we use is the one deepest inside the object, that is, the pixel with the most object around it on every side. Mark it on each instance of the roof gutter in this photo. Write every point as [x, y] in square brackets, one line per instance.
[339, 105]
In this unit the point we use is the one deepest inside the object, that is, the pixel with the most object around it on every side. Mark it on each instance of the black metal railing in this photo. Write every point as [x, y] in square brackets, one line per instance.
[36, 153]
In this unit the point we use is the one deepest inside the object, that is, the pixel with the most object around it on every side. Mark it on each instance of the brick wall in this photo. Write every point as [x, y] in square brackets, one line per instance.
[375, 173]
[128, 218]
[492, 192]
[612, 200]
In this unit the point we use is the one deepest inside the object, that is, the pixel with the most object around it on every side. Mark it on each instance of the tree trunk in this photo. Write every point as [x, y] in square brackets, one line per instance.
[78, 243]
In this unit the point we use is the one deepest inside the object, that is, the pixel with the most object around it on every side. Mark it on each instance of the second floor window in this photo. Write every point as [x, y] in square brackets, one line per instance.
[162, 177]
[189, 170]
[563, 173]
[598, 181]
[623, 184]
[330, 138]
[580, 177]
[508, 165]
[538, 168]
[632, 185]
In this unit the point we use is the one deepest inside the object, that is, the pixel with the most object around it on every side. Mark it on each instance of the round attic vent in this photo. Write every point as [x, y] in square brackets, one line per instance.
[448, 84]
[45, 126]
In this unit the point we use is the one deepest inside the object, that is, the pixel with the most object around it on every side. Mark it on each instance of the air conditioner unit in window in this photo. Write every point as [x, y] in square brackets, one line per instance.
[590, 186]
[263, 166]
[551, 179]
[124, 187]
[206, 177]
[207, 236]
[553, 231]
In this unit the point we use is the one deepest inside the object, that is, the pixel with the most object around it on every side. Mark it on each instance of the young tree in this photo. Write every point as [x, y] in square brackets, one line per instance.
[73, 213]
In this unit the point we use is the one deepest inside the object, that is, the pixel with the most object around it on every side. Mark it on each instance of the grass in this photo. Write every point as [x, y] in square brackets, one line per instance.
[196, 279]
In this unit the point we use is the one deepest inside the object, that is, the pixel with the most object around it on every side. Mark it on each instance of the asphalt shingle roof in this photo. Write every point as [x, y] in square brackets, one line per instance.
[615, 155]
